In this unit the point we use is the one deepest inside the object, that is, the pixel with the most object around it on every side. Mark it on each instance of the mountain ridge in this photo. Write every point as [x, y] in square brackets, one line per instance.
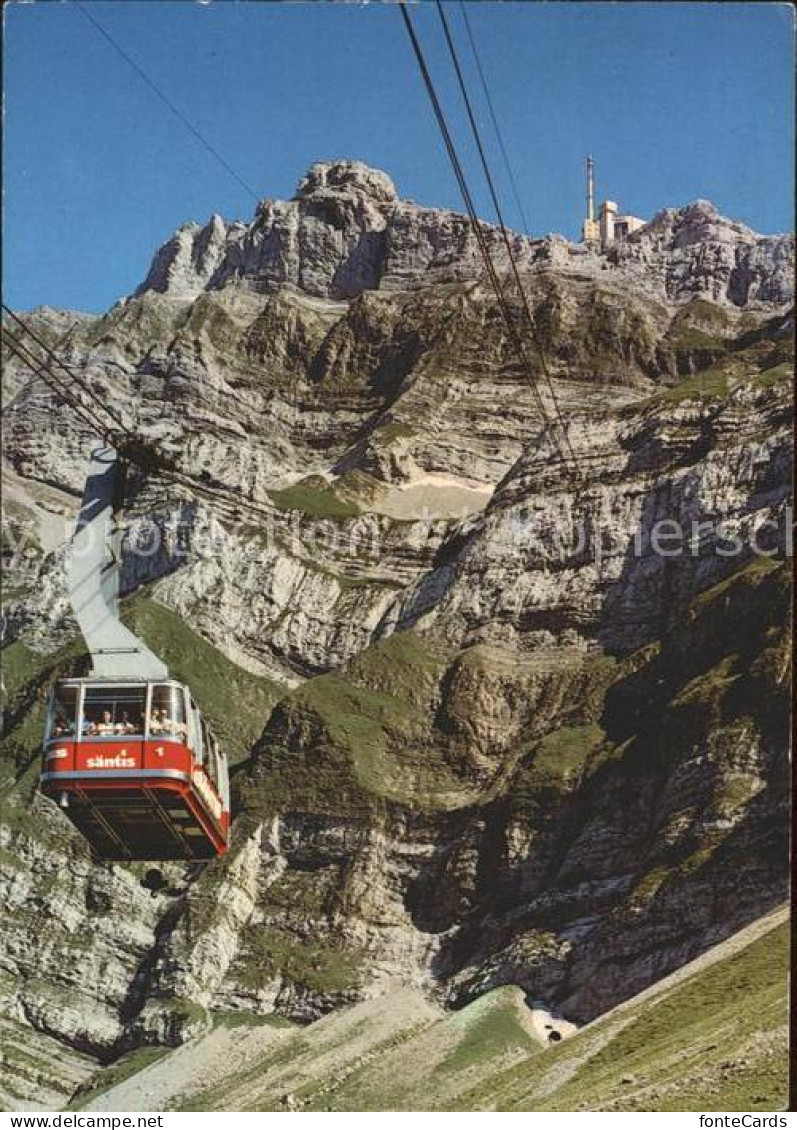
[375, 240]
[485, 733]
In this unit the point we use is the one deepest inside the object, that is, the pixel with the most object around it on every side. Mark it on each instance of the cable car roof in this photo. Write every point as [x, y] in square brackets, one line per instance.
[128, 681]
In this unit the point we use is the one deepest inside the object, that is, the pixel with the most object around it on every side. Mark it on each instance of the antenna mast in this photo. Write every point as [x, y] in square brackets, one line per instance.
[590, 233]
[590, 190]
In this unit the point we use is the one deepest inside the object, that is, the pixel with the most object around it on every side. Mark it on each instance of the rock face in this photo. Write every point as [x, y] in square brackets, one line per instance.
[346, 231]
[713, 257]
[504, 666]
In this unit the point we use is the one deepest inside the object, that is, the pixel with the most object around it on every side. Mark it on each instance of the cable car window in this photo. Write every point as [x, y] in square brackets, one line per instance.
[113, 711]
[214, 745]
[167, 718]
[62, 720]
[197, 743]
[210, 752]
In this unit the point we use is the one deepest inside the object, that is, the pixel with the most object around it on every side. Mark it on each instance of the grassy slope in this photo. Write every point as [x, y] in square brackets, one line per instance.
[316, 499]
[710, 1038]
[719, 364]
[373, 731]
[436, 1064]
[236, 702]
[26, 678]
[714, 1041]
[347, 742]
[384, 729]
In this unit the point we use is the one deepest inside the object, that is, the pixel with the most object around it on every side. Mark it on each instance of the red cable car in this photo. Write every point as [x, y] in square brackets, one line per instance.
[137, 769]
[127, 753]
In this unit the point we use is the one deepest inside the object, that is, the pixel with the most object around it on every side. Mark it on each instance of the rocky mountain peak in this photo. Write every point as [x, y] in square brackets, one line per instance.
[349, 177]
[345, 231]
[698, 222]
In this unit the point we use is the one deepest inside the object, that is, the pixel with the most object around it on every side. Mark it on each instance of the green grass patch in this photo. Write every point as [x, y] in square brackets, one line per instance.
[708, 685]
[324, 967]
[562, 755]
[735, 792]
[736, 997]
[493, 1031]
[305, 892]
[316, 498]
[691, 337]
[649, 885]
[236, 702]
[384, 737]
[348, 741]
[27, 675]
[19, 664]
[750, 575]
[713, 384]
[387, 433]
[232, 1019]
[701, 325]
[777, 375]
[676, 1050]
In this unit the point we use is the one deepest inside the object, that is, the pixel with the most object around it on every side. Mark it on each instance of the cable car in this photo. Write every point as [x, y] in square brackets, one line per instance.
[136, 768]
[127, 753]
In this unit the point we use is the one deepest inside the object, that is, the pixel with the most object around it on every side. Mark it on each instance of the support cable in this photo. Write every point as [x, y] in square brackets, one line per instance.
[142, 74]
[131, 448]
[39, 368]
[32, 380]
[467, 198]
[110, 413]
[494, 119]
[504, 231]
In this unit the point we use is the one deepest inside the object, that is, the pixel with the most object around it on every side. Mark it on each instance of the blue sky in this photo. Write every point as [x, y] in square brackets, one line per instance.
[675, 100]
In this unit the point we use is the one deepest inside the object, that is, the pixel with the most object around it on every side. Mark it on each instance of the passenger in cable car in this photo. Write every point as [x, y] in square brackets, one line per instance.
[172, 726]
[106, 726]
[61, 726]
[125, 726]
[154, 724]
[161, 723]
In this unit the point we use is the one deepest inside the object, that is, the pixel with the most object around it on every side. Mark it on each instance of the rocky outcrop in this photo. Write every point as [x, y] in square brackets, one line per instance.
[701, 253]
[187, 262]
[346, 230]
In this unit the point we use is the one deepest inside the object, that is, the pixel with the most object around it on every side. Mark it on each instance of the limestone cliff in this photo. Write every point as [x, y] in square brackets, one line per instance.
[485, 732]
